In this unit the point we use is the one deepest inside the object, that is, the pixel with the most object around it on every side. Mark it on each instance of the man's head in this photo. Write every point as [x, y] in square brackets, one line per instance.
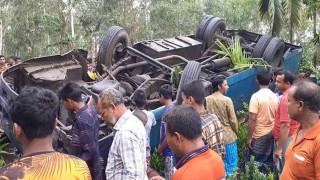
[264, 78]
[275, 72]
[308, 73]
[141, 116]
[165, 93]
[183, 127]
[110, 105]
[193, 93]
[140, 98]
[70, 95]
[303, 98]
[284, 80]
[2, 58]
[219, 83]
[34, 114]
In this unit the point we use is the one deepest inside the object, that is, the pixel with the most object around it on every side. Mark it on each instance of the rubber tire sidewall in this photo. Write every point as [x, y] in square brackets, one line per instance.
[191, 72]
[215, 24]
[261, 45]
[108, 43]
[274, 52]
[203, 25]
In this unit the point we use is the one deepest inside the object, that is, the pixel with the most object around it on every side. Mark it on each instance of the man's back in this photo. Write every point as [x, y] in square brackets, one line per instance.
[212, 133]
[46, 165]
[264, 103]
[207, 165]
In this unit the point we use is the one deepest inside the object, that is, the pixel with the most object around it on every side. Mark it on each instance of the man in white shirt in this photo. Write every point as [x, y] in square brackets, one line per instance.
[127, 154]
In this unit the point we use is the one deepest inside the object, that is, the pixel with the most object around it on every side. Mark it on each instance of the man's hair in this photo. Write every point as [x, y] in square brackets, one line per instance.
[166, 91]
[264, 78]
[288, 76]
[1, 56]
[139, 98]
[196, 90]
[140, 115]
[185, 120]
[71, 91]
[276, 70]
[217, 81]
[110, 96]
[35, 111]
[309, 93]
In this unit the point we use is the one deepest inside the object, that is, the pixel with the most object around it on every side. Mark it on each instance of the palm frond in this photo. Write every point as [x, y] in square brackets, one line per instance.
[263, 8]
[276, 15]
[292, 9]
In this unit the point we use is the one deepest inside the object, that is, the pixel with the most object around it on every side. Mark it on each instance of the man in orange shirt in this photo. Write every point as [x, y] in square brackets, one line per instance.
[303, 153]
[284, 127]
[183, 129]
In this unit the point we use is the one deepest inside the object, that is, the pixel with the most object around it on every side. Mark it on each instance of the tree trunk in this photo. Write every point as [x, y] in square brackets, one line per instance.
[1, 35]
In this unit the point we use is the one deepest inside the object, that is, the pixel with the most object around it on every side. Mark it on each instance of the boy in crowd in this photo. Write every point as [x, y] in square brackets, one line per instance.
[165, 93]
[85, 130]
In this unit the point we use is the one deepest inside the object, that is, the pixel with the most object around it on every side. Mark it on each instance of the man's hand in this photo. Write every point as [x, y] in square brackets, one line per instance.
[249, 142]
[278, 155]
[159, 151]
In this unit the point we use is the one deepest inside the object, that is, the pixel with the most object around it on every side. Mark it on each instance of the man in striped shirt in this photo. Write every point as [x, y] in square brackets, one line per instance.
[193, 93]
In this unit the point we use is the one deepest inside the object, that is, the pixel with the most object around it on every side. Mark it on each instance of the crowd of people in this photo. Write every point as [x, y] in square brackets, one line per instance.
[197, 138]
[11, 61]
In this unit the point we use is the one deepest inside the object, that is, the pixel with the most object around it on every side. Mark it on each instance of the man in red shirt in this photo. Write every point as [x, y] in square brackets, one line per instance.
[183, 129]
[284, 127]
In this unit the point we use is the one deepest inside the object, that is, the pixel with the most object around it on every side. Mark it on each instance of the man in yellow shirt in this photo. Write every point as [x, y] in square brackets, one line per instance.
[34, 114]
[263, 106]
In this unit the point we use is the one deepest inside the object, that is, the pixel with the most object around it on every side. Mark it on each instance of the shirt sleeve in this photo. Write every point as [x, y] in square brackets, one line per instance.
[154, 121]
[253, 105]
[131, 156]
[232, 116]
[284, 115]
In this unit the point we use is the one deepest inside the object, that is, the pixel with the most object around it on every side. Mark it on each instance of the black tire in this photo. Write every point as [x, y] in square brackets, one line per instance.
[261, 46]
[112, 44]
[216, 25]
[202, 26]
[191, 72]
[274, 52]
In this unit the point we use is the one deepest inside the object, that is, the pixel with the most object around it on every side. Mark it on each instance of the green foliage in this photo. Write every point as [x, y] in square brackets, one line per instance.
[308, 59]
[157, 162]
[3, 145]
[239, 58]
[175, 76]
[243, 133]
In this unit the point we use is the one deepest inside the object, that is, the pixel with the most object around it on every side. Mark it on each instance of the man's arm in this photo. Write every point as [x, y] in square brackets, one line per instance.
[252, 124]
[284, 132]
[130, 152]
[232, 116]
[87, 140]
[162, 146]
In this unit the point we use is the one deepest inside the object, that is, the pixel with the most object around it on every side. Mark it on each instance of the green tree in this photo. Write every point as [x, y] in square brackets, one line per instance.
[279, 13]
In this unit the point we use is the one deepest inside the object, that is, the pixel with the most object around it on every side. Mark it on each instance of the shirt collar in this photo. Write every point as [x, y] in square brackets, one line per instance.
[191, 155]
[122, 120]
[203, 112]
[286, 92]
[313, 132]
[82, 109]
